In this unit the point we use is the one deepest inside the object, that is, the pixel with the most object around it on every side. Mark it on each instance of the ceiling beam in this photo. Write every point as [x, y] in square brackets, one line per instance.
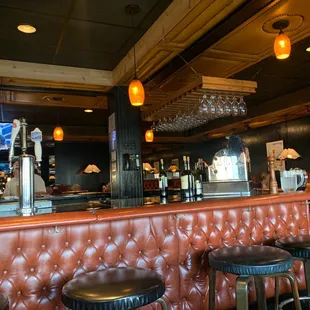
[173, 15]
[63, 74]
[224, 27]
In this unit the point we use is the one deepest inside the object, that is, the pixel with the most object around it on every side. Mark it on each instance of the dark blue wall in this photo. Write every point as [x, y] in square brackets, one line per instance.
[72, 158]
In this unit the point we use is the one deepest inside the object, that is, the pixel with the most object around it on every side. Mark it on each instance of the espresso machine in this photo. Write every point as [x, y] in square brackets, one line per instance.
[26, 204]
[228, 174]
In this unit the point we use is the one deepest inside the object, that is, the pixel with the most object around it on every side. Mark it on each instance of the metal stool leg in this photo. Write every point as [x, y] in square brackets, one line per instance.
[260, 293]
[163, 303]
[294, 287]
[307, 274]
[277, 293]
[242, 292]
[212, 279]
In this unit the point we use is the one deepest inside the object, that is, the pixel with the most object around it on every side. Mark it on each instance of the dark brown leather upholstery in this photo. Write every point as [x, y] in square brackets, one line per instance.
[113, 288]
[40, 254]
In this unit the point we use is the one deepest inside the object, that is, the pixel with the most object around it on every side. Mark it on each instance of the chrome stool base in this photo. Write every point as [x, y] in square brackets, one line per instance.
[288, 301]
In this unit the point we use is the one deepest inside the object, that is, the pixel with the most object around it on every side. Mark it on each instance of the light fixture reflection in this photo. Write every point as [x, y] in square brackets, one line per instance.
[24, 28]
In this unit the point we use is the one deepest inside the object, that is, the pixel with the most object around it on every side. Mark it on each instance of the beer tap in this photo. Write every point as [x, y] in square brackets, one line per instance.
[26, 168]
[15, 132]
[36, 137]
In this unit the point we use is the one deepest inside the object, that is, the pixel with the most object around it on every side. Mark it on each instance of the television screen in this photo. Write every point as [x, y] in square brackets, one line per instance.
[5, 135]
[4, 167]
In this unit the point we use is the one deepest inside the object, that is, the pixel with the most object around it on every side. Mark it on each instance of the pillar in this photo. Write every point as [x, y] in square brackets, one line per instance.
[125, 150]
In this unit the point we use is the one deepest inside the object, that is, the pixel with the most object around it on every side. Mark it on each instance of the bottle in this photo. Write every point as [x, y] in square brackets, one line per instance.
[187, 180]
[198, 178]
[163, 181]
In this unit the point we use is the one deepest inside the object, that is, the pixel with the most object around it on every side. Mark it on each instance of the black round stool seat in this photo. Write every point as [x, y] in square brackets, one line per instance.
[298, 246]
[115, 288]
[251, 260]
[4, 302]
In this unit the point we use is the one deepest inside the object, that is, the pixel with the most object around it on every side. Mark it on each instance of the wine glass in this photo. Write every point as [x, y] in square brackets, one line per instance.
[234, 107]
[242, 107]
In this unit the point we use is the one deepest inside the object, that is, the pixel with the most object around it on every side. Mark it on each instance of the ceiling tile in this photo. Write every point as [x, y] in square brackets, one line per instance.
[23, 51]
[96, 37]
[112, 12]
[87, 59]
[55, 7]
[48, 27]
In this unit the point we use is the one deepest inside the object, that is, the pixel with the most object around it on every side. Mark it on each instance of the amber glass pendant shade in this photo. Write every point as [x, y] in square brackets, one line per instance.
[58, 134]
[136, 93]
[149, 136]
[282, 46]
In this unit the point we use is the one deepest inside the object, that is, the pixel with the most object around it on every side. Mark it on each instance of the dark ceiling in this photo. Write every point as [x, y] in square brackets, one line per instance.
[277, 78]
[81, 33]
[40, 115]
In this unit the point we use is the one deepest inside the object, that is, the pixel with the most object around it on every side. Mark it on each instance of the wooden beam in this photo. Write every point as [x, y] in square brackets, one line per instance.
[173, 15]
[27, 70]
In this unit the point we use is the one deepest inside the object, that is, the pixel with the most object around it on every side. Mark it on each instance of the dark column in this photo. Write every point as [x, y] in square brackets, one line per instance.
[125, 150]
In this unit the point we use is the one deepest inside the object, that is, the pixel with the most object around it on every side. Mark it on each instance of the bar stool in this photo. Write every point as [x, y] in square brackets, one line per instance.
[4, 302]
[299, 247]
[247, 261]
[115, 288]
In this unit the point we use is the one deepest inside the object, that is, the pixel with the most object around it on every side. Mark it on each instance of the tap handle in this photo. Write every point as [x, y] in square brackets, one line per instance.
[15, 132]
[36, 137]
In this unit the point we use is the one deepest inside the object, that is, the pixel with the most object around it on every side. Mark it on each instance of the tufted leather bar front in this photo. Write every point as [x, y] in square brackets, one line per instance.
[40, 254]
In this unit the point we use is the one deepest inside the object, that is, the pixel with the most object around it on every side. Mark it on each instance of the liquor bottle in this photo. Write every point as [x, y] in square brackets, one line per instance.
[198, 178]
[163, 181]
[187, 180]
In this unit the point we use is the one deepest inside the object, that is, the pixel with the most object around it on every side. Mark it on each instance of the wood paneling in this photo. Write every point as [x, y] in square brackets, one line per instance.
[25, 70]
[53, 100]
[177, 28]
[246, 45]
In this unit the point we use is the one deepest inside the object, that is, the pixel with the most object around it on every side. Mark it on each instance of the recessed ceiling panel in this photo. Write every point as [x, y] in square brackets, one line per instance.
[96, 37]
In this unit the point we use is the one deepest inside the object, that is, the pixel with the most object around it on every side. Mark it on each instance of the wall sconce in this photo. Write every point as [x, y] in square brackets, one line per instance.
[288, 154]
[92, 169]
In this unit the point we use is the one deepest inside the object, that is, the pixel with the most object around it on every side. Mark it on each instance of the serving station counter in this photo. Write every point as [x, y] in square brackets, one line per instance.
[42, 252]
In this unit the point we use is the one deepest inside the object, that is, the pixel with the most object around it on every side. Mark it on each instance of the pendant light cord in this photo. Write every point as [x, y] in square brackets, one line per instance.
[134, 46]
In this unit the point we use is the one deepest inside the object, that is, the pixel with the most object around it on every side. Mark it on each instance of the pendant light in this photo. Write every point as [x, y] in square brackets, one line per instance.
[282, 43]
[135, 89]
[58, 133]
[149, 136]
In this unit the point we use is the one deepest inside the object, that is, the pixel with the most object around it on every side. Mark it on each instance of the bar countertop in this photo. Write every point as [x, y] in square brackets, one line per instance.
[94, 214]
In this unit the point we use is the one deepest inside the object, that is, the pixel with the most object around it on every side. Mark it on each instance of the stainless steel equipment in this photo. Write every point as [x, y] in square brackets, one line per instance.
[228, 174]
[27, 205]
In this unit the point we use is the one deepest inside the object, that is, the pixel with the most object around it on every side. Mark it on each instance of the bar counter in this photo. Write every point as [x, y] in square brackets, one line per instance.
[41, 253]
